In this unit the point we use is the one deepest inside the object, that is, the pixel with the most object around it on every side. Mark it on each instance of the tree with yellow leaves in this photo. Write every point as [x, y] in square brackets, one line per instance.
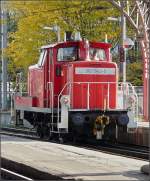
[88, 17]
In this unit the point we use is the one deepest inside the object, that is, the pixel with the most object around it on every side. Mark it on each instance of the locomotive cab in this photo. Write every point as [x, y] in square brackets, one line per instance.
[73, 90]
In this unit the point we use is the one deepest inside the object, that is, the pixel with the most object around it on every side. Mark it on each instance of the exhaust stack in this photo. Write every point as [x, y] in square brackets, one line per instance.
[68, 36]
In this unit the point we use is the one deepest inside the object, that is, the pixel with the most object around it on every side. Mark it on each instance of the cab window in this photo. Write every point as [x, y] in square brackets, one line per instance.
[67, 54]
[42, 58]
[97, 54]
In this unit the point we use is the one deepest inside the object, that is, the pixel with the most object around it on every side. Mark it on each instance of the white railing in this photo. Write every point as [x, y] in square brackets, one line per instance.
[21, 89]
[130, 97]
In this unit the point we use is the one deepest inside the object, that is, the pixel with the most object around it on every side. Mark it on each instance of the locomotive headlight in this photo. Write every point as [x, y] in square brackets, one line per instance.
[65, 99]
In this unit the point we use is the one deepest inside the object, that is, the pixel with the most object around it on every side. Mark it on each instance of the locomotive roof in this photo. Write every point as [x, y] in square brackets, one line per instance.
[105, 45]
[49, 46]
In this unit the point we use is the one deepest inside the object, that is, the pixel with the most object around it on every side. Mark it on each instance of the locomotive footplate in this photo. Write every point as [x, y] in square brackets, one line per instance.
[97, 124]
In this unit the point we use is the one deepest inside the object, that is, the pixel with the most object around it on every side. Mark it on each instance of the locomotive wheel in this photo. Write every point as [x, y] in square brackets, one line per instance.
[51, 136]
[76, 137]
[43, 131]
[19, 122]
[61, 140]
[40, 132]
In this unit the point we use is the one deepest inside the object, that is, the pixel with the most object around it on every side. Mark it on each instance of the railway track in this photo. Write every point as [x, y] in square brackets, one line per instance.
[20, 132]
[11, 175]
[132, 151]
[29, 132]
[12, 170]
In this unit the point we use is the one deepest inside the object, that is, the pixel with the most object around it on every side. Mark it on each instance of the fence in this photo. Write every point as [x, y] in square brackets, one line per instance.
[139, 91]
[9, 92]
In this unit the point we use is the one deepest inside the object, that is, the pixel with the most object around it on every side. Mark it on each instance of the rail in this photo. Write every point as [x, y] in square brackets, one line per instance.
[131, 151]
[7, 174]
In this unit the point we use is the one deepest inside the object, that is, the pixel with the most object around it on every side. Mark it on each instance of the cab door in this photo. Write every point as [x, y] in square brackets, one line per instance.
[49, 79]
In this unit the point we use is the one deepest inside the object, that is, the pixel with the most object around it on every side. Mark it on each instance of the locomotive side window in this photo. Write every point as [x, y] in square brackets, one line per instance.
[97, 54]
[67, 54]
[42, 58]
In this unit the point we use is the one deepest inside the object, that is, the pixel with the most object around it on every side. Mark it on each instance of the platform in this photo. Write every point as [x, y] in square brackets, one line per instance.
[71, 162]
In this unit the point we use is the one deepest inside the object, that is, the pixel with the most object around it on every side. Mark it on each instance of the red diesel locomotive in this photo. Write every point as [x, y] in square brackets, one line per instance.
[72, 90]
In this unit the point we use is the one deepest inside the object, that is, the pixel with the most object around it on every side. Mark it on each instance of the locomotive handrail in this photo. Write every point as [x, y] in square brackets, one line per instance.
[88, 94]
[134, 93]
[59, 99]
[70, 83]
[51, 102]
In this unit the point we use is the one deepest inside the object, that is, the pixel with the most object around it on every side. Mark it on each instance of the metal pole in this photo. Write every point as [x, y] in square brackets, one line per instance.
[106, 38]
[148, 45]
[55, 29]
[124, 63]
[4, 61]
[123, 37]
[58, 33]
[146, 168]
[149, 86]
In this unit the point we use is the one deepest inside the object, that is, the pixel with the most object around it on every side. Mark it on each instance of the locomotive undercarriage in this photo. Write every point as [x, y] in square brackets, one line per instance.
[97, 125]
[82, 125]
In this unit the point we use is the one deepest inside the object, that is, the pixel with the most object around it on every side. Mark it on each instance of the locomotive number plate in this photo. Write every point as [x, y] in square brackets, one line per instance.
[95, 71]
